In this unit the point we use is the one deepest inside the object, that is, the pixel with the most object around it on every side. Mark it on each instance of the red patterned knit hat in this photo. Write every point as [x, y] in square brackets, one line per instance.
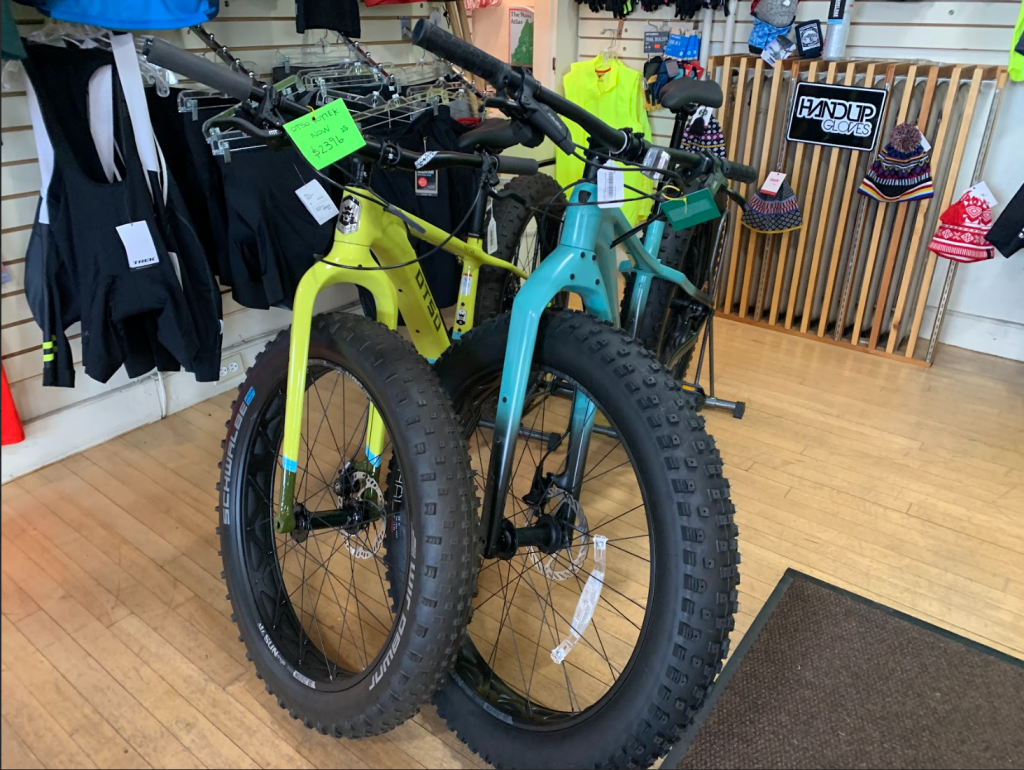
[962, 228]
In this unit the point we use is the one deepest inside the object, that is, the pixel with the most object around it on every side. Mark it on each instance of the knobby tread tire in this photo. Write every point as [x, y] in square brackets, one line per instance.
[695, 574]
[425, 433]
[659, 301]
[511, 217]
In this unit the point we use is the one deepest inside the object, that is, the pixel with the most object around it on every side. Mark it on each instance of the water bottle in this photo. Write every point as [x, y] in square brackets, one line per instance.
[838, 29]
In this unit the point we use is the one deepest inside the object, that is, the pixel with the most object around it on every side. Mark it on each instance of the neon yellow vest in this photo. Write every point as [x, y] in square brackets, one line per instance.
[1016, 59]
[614, 93]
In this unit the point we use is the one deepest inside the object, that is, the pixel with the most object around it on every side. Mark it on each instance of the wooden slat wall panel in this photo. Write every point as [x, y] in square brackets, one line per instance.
[850, 261]
[259, 33]
[809, 198]
[947, 196]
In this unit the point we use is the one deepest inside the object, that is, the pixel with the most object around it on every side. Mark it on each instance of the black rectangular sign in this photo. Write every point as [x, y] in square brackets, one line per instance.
[837, 116]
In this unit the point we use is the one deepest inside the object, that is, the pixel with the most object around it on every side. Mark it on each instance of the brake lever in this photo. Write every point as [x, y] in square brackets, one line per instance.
[738, 199]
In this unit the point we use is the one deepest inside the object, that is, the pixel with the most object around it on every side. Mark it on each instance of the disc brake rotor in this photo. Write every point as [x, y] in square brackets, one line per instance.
[367, 490]
[550, 565]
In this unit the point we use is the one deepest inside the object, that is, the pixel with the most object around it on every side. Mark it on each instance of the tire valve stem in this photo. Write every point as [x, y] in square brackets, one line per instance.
[587, 603]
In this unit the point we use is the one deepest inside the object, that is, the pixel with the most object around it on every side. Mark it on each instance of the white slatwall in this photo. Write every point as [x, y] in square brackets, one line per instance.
[968, 31]
[258, 31]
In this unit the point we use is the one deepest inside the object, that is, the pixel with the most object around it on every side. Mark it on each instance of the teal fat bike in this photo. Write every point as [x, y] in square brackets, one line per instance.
[608, 577]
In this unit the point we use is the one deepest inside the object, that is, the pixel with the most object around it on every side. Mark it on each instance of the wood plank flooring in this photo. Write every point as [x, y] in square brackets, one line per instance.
[902, 484]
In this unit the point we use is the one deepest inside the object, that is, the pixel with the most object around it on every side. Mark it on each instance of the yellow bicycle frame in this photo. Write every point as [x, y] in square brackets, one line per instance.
[370, 234]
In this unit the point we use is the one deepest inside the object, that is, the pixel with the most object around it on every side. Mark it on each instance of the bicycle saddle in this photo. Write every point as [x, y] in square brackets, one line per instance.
[677, 94]
[497, 134]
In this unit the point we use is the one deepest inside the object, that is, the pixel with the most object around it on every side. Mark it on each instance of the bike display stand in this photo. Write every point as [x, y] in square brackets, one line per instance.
[707, 345]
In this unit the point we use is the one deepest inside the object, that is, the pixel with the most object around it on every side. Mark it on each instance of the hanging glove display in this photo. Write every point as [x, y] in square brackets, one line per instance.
[687, 9]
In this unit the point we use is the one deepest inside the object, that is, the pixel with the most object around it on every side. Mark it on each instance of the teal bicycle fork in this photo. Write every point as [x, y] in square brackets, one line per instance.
[583, 263]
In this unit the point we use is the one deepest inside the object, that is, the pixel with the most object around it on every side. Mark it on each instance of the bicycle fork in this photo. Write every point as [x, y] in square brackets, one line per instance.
[362, 225]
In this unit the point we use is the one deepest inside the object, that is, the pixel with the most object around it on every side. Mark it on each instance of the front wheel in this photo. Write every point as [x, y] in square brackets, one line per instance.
[316, 607]
[594, 650]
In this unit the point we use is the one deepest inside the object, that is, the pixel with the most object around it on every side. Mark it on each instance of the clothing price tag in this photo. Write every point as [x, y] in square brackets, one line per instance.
[426, 183]
[982, 191]
[925, 144]
[611, 187]
[773, 182]
[138, 244]
[326, 135]
[425, 158]
[655, 42]
[317, 202]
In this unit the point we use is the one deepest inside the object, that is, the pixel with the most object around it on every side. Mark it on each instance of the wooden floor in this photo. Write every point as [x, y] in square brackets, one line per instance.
[902, 484]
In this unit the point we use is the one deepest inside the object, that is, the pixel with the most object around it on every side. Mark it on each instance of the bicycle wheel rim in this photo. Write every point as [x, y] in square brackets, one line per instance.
[478, 668]
[334, 644]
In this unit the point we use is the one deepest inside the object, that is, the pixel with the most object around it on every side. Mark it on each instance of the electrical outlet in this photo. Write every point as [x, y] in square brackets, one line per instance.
[231, 366]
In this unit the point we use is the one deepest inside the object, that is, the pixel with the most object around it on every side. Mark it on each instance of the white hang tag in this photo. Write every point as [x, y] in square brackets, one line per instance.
[925, 144]
[773, 182]
[656, 158]
[425, 158]
[492, 235]
[982, 191]
[611, 187]
[317, 202]
[138, 244]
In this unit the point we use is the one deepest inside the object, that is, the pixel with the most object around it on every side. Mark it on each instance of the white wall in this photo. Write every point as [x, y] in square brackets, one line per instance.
[59, 422]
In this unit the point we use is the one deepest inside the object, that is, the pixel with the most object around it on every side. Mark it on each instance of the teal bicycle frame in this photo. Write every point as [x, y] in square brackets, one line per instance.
[584, 262]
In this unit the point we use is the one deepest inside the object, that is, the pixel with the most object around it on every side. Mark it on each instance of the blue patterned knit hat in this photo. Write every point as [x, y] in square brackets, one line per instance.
[902, 171]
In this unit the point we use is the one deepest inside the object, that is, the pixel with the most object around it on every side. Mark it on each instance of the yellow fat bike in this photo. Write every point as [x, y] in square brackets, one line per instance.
[342, 439]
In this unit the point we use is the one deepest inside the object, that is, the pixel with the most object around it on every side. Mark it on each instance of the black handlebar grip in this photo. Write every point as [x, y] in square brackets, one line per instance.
[517, 166]
[738, 172]
[460, 53]
[170, 57]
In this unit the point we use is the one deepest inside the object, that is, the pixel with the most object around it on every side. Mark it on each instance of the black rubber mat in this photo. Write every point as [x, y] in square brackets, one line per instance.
[828, 679]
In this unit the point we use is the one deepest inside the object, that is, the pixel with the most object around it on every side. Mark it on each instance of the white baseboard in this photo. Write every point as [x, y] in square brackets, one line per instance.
[67, 431]
[985, 335]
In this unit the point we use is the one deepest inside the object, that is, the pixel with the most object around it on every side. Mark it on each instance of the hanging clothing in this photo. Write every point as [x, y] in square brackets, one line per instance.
[341, 16]
[614, 93]
[117, 251]
[456, 192]
[1007, 233]
[138, 14]
[1017, 48]
[272, 238]
[196, 172]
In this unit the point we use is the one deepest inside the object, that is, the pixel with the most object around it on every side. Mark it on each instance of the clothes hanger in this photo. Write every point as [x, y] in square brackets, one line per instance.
[609, 53]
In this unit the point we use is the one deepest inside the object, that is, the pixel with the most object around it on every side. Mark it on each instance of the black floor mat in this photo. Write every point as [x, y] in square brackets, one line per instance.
[828, 679]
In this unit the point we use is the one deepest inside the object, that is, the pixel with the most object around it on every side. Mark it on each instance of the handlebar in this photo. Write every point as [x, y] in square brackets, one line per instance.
[541, 104]
[241, 87]
[170, 57]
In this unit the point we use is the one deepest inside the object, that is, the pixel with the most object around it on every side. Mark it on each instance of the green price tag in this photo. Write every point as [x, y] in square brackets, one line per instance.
[326, 135]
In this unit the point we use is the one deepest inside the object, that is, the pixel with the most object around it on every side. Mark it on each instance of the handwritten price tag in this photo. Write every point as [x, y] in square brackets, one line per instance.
[326, 135]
